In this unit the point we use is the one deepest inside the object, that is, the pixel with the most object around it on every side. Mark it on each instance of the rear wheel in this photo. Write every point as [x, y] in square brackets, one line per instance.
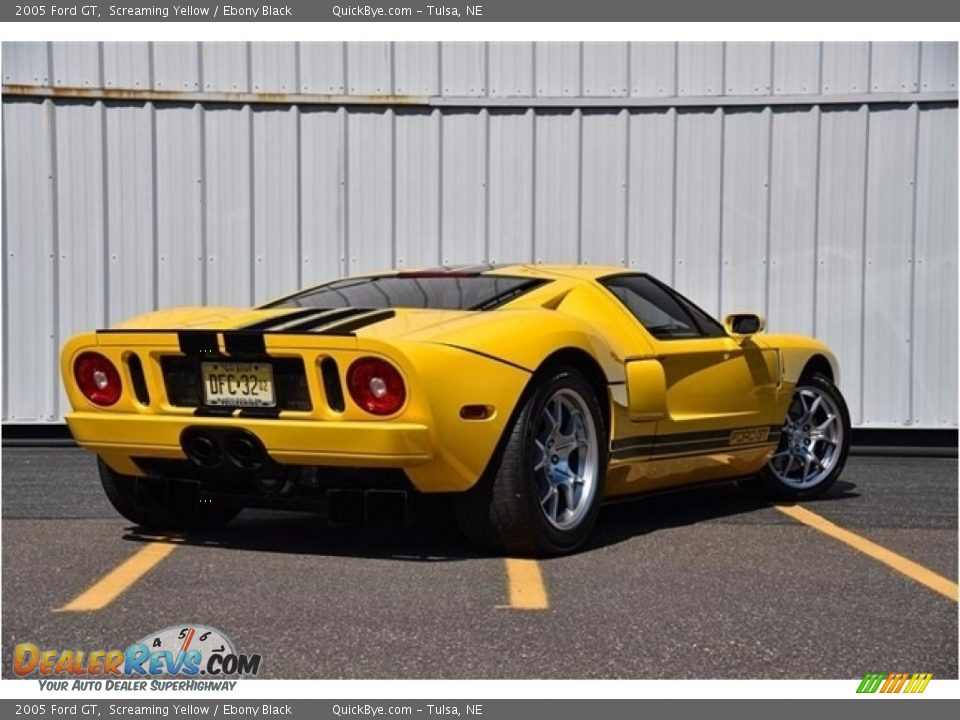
[814, 442]
[544, 496]
[162, 504]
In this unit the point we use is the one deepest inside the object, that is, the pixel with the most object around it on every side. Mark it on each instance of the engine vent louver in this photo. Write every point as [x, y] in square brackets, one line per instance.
[332, 388]
[138, 380]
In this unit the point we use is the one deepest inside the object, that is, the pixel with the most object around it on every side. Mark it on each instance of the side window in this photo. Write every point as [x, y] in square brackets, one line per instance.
[664, 314]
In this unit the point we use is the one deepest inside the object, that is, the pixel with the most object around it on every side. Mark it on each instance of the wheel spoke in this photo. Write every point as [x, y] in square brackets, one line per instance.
[543, 456]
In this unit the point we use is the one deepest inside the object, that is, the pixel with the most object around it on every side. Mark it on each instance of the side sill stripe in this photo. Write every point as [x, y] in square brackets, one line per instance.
[666, 453]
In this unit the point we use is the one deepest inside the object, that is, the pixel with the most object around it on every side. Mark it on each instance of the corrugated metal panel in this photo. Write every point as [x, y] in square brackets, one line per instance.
[276, 198]
[840, 234]
[495, 69]
[118, 207]
[463, 69]
[938, 66]
[180, 193]
[176, 66]
[30, 258]
[888, 266]
[557, 188]
[894, 66]
[463, 191]
[416, 68]
[934, 369]
[226, 66]
[418, 188]
[700, 68]
[653, 69]
[791, 279]
[130, 229]
[748, 68]
[322, 68]
[369, 190]
[273, 67]
[845, 68]
[369, 68]
[603, 214]
[26, 63]
[76, 64]
[511, 186]
[228, 205]
[699, 173]
[511, 69]
[323, 198]
[605, 67]
[558, 69]
[651, 185]
[796, 68]
[744, 211]
[126, 65]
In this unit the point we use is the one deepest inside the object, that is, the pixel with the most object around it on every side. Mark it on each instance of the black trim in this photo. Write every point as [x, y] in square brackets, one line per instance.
[214, 411]
[244, 342]
[348, 327]
[278, 320]
[487, 356]
[265, 413]
[323, 316]
[201, 343]
[138, 379]
[704, 442]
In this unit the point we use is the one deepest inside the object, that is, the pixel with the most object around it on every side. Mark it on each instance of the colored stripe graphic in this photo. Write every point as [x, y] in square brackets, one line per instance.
[894, 683]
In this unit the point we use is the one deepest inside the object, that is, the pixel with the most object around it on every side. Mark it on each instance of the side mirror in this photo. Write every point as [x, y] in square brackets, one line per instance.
[743, 325]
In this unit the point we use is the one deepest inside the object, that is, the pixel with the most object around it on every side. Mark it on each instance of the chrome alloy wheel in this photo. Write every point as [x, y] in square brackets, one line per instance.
[811, 440]
[566, 459]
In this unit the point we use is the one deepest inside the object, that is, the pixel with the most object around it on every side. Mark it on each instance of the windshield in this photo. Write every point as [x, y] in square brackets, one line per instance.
[442, 292]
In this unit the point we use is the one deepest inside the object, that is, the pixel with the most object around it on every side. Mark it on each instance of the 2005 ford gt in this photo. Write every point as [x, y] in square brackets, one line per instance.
[528, 394]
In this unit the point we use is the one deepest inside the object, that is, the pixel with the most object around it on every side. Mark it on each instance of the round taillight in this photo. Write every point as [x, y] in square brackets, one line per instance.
[97, 378]
[376, 386]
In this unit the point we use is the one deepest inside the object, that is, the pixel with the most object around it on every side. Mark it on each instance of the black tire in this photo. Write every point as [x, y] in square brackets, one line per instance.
[503, 511]
[771, 485]
[163, 504]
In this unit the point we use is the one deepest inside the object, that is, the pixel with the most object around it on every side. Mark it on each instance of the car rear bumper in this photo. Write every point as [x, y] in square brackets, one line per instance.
[120, 437]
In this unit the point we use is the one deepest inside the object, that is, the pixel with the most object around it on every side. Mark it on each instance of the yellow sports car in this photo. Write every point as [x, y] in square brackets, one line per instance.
[528, 394]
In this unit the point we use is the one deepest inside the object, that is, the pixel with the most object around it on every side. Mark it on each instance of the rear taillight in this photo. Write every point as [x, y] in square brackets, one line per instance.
[376, 386]
[98, 378]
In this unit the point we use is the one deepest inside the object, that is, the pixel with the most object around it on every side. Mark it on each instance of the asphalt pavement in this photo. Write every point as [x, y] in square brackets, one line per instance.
[705, 583]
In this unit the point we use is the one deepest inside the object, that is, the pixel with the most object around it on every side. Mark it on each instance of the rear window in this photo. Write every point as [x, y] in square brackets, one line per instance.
[452, 292]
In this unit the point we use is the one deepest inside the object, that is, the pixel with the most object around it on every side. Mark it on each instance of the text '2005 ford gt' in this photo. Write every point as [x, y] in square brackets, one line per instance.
[528, 394]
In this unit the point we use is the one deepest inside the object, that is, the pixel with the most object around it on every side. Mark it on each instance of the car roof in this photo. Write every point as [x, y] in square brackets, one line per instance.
[537, 270]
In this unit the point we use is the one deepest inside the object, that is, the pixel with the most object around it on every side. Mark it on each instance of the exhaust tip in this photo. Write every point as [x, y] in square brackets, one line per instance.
[244, 451]
[202, 450]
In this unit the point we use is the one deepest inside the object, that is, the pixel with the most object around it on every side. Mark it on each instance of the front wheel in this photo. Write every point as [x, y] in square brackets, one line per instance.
[814, 442]
[544, 496]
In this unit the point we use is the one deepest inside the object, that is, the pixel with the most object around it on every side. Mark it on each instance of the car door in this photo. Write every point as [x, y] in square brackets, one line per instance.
[719, 392]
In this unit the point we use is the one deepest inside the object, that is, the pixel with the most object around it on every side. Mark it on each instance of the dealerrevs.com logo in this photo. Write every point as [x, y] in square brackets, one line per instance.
[186, 657]
[909, 683]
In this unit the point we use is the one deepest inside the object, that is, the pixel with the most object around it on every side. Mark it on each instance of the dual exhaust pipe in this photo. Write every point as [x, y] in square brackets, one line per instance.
[212, 448]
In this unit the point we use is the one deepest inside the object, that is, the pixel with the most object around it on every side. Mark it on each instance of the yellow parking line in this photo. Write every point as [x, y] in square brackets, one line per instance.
[110, 586]
[525, 583]
[912, 570]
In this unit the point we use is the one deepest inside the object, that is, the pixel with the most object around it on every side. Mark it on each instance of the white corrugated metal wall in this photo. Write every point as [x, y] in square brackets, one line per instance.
[816, 182]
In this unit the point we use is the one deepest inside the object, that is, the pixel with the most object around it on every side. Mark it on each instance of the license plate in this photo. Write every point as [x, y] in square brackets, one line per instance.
[237, 384]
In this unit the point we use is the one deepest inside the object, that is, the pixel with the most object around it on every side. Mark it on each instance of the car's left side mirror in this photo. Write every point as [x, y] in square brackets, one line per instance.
[743, 325]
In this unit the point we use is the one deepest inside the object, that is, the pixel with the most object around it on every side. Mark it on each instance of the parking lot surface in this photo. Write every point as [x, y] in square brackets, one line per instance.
[705, 583]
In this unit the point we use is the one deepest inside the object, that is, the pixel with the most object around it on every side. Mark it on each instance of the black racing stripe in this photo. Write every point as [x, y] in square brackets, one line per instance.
[198, 343]
[244, 342]
[323, 317]
[350, 326]
[690, 436]
[279, 319]
[665, 453]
